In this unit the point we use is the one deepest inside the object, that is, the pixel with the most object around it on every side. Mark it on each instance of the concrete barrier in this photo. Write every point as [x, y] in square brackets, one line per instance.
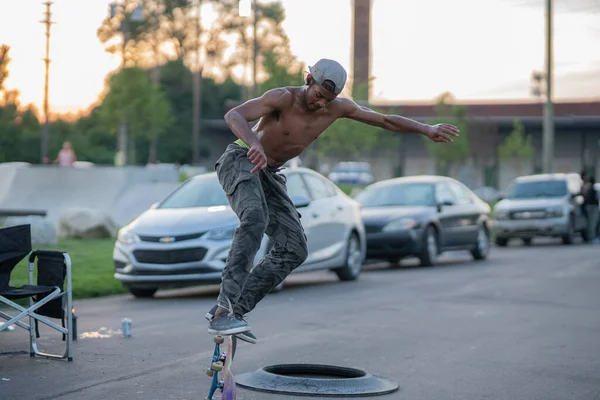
[122, 192]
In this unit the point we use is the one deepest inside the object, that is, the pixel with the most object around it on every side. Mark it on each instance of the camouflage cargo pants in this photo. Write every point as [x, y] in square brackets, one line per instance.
[262, 205]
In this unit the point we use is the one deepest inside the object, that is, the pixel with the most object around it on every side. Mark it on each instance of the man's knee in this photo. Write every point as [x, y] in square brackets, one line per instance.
[299, 252]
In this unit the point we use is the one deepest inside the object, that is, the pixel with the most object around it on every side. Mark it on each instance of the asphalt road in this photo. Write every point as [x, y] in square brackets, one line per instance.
[525, 324]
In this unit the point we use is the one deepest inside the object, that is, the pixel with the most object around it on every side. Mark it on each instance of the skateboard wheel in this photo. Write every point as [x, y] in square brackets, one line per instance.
[219, 339]
[210, 372]
[217, 366]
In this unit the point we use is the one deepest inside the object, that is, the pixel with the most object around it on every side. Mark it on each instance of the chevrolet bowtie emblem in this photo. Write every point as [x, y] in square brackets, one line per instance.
[167, 239]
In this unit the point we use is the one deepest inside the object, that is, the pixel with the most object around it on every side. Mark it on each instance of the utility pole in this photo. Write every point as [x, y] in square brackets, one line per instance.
[155, 73]
[44, 144]
[254, 48]
[548, 135]
[197, 94]
[250, 9]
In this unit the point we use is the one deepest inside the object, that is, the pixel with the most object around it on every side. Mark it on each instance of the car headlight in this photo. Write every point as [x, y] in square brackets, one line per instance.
[555, 212]
[220, 234]
[127, 237]
[400, 224]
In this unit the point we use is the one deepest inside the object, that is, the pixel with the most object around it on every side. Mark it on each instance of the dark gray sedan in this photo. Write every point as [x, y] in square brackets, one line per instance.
[423, 216]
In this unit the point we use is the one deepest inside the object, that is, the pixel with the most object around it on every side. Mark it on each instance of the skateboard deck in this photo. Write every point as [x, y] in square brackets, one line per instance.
[221, 362]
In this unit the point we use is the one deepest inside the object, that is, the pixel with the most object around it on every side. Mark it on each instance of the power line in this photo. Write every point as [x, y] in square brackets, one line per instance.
[565, 7]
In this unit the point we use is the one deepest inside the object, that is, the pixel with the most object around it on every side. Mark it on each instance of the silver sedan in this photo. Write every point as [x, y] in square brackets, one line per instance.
[184, 240]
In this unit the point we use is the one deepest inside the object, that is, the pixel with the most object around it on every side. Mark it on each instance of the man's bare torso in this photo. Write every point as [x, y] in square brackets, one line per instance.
[288, 131]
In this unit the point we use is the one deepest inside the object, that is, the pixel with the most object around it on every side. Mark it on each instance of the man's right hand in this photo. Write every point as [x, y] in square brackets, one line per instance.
[257, 156]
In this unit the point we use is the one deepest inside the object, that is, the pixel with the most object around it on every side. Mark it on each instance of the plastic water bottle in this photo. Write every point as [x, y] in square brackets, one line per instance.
[126, 327]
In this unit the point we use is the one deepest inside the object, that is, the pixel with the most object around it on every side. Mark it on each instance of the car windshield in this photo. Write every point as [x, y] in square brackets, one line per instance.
[404, 194]
[351, 168]
[529, 190]
[202, 191]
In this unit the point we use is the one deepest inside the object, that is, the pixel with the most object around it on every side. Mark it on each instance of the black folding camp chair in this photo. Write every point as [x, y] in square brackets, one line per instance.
[47, 297]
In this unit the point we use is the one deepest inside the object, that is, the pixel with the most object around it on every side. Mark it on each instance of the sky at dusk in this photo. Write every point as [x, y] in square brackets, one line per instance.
[478, 50]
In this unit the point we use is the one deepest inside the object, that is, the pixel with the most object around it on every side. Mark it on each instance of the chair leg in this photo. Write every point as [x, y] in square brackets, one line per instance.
[69, 308]
[68, 315]
[31, 331]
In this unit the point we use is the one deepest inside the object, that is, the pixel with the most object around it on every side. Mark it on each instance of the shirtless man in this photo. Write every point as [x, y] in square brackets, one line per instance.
[291, 118]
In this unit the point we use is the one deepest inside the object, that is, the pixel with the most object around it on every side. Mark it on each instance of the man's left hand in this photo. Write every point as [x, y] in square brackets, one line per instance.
[442, 133]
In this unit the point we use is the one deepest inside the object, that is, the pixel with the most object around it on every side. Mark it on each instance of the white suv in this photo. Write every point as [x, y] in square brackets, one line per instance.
[541, 205]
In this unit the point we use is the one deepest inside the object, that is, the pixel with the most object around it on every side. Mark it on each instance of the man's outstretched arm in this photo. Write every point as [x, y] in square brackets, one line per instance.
[397, 123]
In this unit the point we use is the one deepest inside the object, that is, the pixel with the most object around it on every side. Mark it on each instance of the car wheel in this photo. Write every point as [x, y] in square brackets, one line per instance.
[501, 241]
[569, 236]
[354, 257]
[429, 253]
[482, 247]
[527, 241]
[142, 293]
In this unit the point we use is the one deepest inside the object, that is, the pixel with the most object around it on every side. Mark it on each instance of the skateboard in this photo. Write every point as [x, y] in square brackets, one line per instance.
[221, 362]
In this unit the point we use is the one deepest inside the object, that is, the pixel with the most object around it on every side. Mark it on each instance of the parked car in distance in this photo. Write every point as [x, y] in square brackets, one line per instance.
[423, 216]
[541, 205]
[352, 172]
[185, 239]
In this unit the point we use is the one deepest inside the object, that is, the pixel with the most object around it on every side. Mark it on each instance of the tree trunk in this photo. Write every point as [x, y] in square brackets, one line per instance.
[152, 150]
[132, 152]
[197, 115]
[122, 142]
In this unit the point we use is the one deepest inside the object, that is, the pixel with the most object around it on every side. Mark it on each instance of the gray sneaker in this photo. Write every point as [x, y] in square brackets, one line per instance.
[245, 336]
[227, 325]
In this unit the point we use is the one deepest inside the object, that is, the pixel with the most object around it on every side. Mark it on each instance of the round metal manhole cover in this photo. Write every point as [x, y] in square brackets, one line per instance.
[315, 380]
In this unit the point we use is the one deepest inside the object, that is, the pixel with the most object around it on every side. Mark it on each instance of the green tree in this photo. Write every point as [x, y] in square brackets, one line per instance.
[281, 71]
[270, 35]
[449, 155]
[4, 61]
[125, 24]
[9, 132]
[132, 97]
[158, 121]
[517, 147]
[91, 140]
[19, 126]
[176, 79]
[351, 138]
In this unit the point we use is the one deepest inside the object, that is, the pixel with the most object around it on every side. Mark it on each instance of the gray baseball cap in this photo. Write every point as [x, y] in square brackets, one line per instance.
[329, 70]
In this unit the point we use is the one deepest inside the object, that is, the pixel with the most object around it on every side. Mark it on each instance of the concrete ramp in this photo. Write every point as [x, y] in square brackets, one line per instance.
[7, 174]
[139, 198]
[121, 192]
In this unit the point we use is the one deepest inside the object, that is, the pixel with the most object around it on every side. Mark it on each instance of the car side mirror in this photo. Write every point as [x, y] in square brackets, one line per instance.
[153, 206]
[300, 201]
[444, 203]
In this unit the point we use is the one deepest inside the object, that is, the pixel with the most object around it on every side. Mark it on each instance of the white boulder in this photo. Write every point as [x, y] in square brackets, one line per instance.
[86, 223]
[43, 230]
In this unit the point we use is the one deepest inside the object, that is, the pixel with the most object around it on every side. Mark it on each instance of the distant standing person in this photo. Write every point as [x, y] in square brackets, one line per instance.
[66, 155]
